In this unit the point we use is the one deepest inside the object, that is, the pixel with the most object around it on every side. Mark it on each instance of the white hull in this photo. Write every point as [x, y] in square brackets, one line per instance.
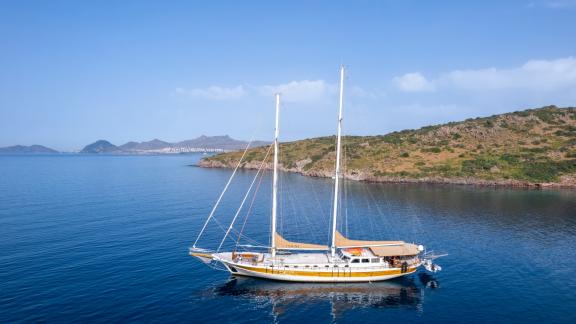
[340, 275]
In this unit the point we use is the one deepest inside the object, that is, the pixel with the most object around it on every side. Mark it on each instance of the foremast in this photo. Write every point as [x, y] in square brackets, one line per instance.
[337, 168]
[275, 181]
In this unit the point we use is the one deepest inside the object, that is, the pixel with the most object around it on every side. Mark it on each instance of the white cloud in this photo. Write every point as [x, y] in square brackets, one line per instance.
[534, 75]
[413, 82]
[214, 92]
[552, 4]
[300, 91]
[558, 4]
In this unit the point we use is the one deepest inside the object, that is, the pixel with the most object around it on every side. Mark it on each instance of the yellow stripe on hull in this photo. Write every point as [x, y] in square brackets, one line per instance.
[318, 276]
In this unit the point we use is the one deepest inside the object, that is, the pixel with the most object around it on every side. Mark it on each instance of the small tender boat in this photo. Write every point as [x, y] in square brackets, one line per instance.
[345, 260]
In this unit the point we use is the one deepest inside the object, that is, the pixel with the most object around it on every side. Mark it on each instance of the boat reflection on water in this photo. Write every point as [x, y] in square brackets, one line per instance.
[398, 293]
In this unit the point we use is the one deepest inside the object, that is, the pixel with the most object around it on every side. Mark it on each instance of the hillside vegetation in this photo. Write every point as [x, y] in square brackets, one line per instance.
[530, 147]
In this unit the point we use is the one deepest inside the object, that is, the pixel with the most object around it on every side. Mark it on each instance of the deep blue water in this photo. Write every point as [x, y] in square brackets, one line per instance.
[105, 238]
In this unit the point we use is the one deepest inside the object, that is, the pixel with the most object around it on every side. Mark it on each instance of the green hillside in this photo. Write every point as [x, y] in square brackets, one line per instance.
[521, 148]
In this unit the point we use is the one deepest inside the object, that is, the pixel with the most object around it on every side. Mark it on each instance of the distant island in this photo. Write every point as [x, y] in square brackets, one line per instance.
[217, 144]
[201, 144]
[32, 149]
[530, 148]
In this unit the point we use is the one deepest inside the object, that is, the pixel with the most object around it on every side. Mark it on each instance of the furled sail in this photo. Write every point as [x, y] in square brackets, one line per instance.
[283, 244]
[379, 248]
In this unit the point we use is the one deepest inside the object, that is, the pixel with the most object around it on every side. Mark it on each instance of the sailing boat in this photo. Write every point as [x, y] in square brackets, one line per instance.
[345, 260]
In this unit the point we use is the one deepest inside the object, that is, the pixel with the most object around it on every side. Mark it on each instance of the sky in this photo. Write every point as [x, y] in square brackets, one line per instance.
[73, 72]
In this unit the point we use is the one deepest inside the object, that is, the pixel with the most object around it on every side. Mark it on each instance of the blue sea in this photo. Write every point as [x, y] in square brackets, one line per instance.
[96, 238]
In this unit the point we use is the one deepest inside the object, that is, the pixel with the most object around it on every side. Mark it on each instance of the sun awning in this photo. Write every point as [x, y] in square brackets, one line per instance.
[283, 244]
[395, 250]
[342, 241]
[379, 248]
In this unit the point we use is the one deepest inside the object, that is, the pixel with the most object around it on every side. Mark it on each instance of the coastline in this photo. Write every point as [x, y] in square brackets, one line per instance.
[566, 182]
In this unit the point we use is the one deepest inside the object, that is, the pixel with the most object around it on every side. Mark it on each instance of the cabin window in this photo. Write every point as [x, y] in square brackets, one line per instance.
[315, 266]
[355, 260]
[375, 260]
[346, 266]
[335, 266]
[307, 266]
[295, 266]
[327, 266]
[365, 260]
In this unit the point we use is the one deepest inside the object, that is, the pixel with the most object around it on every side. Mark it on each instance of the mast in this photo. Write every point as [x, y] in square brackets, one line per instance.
[337, 169]
[275, 180]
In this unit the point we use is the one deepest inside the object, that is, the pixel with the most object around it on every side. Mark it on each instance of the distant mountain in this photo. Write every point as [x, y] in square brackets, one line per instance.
[201, 144]
[129, 146]
[224, 142]
[154, 144]
[21, 149]
[101, 146]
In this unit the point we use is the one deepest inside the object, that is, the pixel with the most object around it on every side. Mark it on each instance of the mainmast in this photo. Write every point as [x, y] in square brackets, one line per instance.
[337, 169]
[275, 180]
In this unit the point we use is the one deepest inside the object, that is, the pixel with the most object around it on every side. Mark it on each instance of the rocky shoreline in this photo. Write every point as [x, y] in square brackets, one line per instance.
[566, 182]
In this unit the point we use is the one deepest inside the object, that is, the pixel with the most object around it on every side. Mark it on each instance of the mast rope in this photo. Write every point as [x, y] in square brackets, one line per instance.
[345, 183]
[249, 209]
[235, 232]
[244, 199]
[222, 194]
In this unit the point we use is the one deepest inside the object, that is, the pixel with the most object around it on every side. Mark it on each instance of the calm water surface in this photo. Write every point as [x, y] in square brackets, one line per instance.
[105, 238]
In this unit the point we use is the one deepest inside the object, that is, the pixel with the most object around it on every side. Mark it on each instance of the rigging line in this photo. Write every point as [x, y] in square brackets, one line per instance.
[222, 194]
[301, 215]
[346, 184]
[380, 213]
[282, 203]
[234, 231]
[281, 196]
[244, 200]
[315, 218]
[295, 212]
[323, 214]
[318, 217]
[371, 202]
[253, 199]
[301, 211]
[250, 207]
[289, 199]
